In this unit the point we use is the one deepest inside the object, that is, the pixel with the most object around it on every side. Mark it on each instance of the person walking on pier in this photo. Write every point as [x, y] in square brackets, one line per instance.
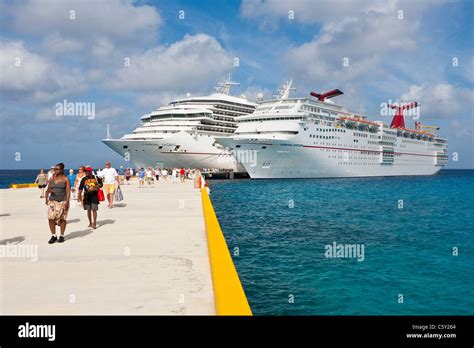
[90, 184]
[128, 175]
[157, 173]
[80, 174]
[164, 174]
[141, 177]
[72, 179]
[50, 173]
[149, 176]
[111, 182]
[42, 181]
[57, 199]
[174, 174]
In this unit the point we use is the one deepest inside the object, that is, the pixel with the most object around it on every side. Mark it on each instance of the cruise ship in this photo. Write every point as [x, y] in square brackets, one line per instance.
[312, 137]
[182, 133]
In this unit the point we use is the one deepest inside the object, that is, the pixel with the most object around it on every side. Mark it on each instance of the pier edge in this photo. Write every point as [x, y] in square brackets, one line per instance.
[229, 295]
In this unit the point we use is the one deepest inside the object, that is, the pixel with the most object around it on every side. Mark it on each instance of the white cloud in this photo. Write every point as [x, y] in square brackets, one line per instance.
[151, 101]
[252, 91]
[20, 69]
[269, 12]
[28, 75]
[463, 129]
[92, 27]
[367, 35]
[354, 46]
[465, 69]
[185, 66]
[109, 111]
[442, 100]
[56, 43]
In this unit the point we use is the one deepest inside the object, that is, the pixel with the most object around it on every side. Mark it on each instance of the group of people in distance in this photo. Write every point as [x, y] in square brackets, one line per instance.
[147, 176]
[58, 189]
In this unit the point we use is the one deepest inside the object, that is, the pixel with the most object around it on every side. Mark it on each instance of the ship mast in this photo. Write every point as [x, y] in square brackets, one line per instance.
[225, 86]
[284, 92]
[108, 132]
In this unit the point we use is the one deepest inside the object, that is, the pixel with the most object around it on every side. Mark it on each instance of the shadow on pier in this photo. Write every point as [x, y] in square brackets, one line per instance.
[14, 240]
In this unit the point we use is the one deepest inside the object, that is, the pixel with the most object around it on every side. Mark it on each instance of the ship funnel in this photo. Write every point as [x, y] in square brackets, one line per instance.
[399, 120]
[323, 96]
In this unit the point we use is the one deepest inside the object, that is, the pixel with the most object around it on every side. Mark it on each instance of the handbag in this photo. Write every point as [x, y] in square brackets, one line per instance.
[100, 192]
[100, 195]
[118, 195]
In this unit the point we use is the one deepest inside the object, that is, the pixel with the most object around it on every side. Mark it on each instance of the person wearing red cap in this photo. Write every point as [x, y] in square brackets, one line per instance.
[90, 184]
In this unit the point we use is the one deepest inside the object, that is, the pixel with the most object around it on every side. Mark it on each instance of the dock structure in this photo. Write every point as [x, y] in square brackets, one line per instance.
[149, 255]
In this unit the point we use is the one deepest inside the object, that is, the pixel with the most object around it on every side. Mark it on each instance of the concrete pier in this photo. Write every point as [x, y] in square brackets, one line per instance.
[149, 255]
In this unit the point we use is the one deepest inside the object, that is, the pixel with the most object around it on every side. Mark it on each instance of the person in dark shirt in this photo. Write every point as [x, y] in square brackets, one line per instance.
[90, 184]
[57, 199]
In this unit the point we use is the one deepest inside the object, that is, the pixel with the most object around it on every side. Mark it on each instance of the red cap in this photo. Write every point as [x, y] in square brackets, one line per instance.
[88, 169]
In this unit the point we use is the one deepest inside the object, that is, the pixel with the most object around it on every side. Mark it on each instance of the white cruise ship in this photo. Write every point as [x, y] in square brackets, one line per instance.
[182, 133]
[312, 137]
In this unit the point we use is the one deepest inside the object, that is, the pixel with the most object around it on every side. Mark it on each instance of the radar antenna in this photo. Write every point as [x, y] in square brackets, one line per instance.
[225, 86]
[284, 92]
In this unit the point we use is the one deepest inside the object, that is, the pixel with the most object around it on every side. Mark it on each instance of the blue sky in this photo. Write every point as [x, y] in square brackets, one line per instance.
[410, 50]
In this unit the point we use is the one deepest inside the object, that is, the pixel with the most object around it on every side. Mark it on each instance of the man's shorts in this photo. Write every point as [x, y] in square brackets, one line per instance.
[109, 188]
[91, 206]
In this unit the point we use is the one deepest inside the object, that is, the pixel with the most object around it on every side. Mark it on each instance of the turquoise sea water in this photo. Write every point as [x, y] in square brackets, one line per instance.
[408, 251]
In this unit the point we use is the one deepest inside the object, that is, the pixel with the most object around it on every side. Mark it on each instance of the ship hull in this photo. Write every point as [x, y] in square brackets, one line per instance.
[275, 159]
[179, 150]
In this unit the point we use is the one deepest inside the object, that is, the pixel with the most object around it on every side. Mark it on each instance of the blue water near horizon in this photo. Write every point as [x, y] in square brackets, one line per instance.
[408, 251]
[18, 176]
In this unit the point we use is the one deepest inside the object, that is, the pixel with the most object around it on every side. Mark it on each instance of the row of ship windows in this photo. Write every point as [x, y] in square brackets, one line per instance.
[323, 136]
[245, 109]
[230, 119]
[356, 163]
[407, 160]
[318, 110]
[329, 144]
[377, 163]
[272, 119]
[377, 155]
[216, 104]
[328, 130]
[190, 115]
[329, 137]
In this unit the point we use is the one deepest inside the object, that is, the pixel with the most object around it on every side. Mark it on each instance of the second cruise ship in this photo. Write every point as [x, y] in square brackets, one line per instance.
[312, 137]
[182, 133]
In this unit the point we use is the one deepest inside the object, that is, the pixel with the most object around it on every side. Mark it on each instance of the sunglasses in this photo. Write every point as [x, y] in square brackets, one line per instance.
[57, 169]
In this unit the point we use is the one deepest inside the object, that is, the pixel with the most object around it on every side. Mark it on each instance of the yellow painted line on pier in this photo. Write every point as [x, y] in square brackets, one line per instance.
[17, 186]
[229, 295]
